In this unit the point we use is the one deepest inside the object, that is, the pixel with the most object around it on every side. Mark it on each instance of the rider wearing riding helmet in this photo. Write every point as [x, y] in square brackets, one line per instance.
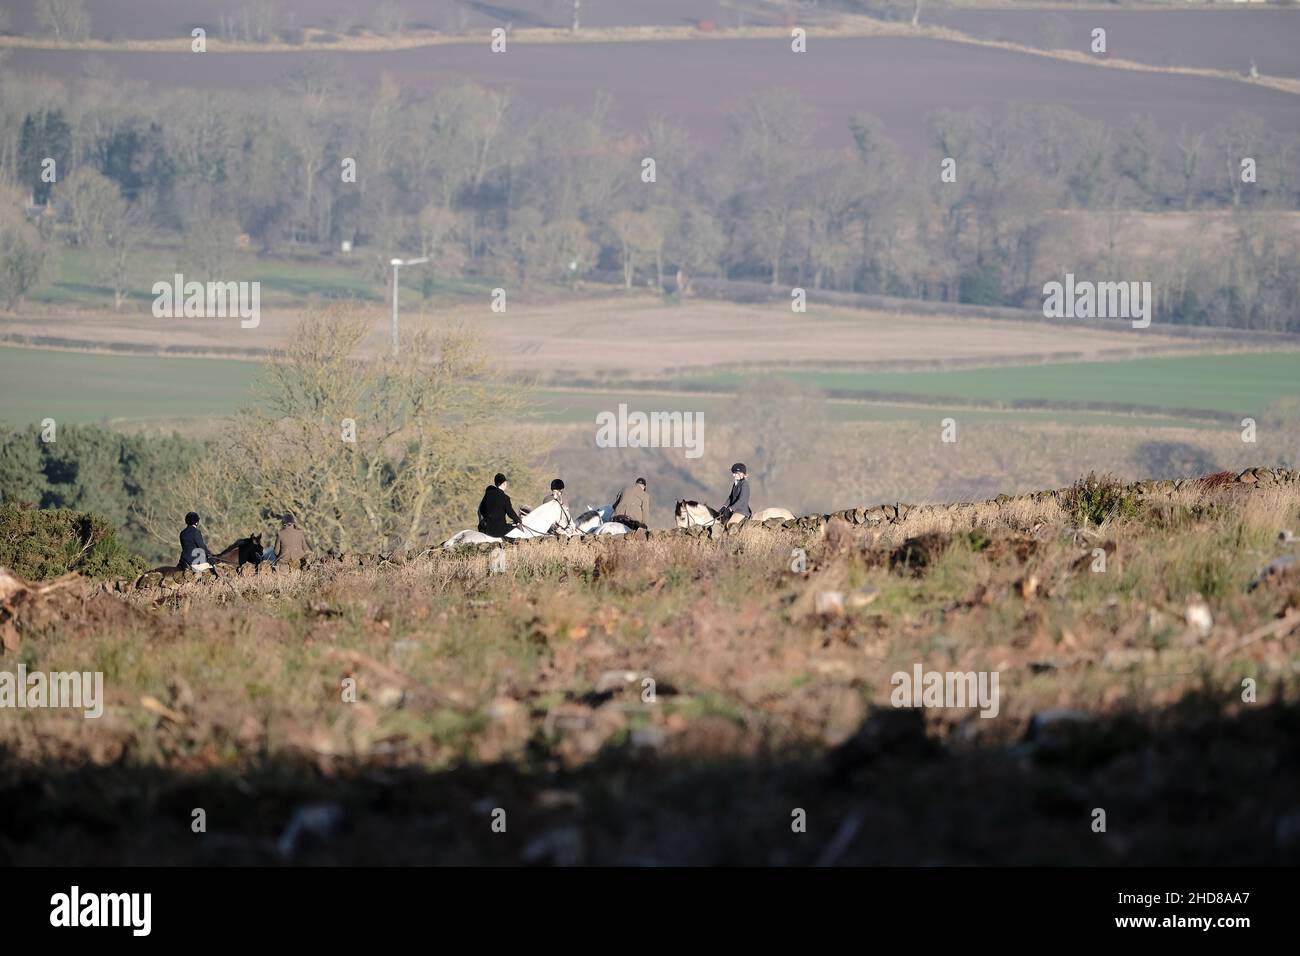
[194, 550]
[738, 497]
[557, 495]
[496, 508]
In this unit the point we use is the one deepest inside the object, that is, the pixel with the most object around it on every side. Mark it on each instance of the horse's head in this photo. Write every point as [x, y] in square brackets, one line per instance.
[691, 513]
[589, 521]
[250, 549]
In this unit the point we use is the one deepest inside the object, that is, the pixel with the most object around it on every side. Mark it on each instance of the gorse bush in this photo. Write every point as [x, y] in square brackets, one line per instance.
[1098, 498]
[41, 544]
[93, 469]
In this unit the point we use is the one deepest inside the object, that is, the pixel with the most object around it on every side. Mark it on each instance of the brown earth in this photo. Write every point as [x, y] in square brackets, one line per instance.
[1160, 37]
[147, 19]
[523, 689]
[1224, 39]
[635, 334]
[693, 83]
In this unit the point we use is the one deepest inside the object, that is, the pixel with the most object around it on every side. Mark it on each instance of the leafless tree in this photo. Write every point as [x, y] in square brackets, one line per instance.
[65, 20]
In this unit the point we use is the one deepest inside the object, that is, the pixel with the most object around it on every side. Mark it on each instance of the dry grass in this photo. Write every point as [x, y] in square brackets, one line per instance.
[515, 686]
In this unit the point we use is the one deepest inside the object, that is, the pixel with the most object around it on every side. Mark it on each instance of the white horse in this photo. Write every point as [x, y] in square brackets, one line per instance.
[468, 536]
[593, 518]
[548, 518]
[694, 514]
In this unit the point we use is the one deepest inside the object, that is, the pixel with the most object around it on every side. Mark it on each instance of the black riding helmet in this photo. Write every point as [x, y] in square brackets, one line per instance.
[740, 467]
[557, 485]
[192, 518]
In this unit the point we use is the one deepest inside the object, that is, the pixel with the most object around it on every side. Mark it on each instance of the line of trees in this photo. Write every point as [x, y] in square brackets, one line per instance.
[486, 186]
[90, 468]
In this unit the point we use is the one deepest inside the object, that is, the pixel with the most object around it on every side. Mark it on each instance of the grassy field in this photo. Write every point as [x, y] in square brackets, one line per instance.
[593, 331]
[95, 387]
[1236, 384]
[73, 387]
[286, 281]
[669, 700]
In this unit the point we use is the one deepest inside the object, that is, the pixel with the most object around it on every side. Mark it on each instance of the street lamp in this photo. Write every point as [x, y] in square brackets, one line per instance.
[397, 264]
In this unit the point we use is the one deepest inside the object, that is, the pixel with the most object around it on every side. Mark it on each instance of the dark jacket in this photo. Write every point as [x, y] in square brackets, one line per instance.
[738, 499]
[192, 540]
[633, 502]
[493, 511]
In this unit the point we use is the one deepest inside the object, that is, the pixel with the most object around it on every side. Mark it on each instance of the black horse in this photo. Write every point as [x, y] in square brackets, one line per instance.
[244, 551]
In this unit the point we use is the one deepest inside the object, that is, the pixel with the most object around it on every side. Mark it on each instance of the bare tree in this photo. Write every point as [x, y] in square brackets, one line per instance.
[390, 18]
[25, 256]
[65, 20]
[106, 224]
[367, 451]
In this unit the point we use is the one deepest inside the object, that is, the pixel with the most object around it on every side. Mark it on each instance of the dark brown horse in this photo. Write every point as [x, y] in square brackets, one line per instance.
[244, 551]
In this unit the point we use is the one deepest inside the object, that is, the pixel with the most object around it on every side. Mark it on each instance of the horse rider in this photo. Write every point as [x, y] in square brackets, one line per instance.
[738, 497]
[557, 495]
[495, 508]
[194, 550]
[632, 506]
[290, 544]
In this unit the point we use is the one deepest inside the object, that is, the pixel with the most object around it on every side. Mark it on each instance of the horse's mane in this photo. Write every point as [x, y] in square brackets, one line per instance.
[239, 543]
[541, 510]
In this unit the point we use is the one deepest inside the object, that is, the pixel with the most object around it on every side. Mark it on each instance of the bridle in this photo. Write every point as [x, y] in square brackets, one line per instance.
[690, 519]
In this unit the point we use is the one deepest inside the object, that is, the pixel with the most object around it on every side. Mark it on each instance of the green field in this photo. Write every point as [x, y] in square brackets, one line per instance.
[286, 281]
[570, 406]
[78, 387]
[1236, 384]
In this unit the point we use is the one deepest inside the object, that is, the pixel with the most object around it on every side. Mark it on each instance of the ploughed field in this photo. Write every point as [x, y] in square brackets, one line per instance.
[1224, 39]
[1218, 39]
[694, 82]
[681, 698]
[150, 19]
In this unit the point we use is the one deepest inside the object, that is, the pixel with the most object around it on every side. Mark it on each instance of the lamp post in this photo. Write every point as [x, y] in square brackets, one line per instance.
[397, 265]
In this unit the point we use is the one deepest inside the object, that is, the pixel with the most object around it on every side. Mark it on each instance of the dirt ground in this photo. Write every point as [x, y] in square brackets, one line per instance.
[695, 82]
[1146, 668]
[639, 335]
[1197, 37]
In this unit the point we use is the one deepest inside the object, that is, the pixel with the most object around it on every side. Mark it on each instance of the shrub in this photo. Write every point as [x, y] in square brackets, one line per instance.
[45, 543]
[1097, 498]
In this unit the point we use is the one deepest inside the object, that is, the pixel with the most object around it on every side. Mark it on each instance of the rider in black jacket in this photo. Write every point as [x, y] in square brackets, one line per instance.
[495, 508]
[194, 550]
